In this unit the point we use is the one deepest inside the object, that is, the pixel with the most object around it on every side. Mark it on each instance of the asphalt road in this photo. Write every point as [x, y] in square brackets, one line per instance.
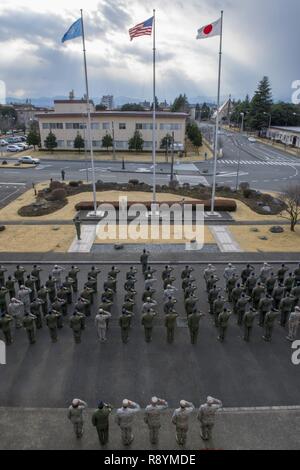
[241, 374]
[264, 167]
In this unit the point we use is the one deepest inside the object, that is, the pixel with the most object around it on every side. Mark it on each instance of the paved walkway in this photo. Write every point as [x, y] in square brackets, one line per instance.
[45, 428]
[88, 234]
[224, 239]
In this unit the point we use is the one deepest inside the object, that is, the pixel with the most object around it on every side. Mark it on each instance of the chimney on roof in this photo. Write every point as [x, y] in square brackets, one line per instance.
[71, 95]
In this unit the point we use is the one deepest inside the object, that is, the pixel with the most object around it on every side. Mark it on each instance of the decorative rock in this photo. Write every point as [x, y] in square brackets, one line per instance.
[263, 238]
[276, 229]
[55, 228]
[267, 209]
[118, 247]
[254, 229]
[2, 228]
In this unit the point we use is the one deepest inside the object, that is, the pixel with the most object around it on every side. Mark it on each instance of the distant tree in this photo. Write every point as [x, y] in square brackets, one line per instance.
[260, 105]
[136, 142]
[33, 138]
[198, 112]
[132, 107]
[239, 107]
[157, 107]
[79, 142]
[194, 134]
[50, 142]
[285, 114]
[180, 105]
[205, 112]
[101, 107]
[107, 141]
[291, 197]
[166, 142]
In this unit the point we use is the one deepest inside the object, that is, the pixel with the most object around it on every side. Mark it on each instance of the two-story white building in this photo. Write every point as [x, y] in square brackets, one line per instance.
[70, 118]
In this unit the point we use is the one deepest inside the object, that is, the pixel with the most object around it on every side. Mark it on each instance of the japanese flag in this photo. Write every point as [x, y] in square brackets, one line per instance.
[212, 29]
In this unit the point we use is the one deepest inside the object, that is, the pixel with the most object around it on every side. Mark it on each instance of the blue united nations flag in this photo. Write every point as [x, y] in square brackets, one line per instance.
[74, 31]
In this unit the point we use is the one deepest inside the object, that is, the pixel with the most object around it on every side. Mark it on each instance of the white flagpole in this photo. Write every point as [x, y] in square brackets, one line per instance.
[154, 116]
[217, 124]
[89, 117]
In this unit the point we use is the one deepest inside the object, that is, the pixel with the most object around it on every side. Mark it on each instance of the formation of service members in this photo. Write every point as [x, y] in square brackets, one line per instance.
[26, 302]
[124, 418]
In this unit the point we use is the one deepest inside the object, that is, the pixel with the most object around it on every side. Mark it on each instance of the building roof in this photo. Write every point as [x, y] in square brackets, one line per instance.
[287, 128]
[110, 114]
[82, 101]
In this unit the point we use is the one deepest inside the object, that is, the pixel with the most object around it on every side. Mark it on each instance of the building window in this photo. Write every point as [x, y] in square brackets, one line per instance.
[122, 125]
[143, 126]
[46, 125]
[60, 143]
[75, 125]
[97, 143]
[95, 125]
[170, 127]
[56, 125]
[121, 144]
[70, 144]
[105, 126]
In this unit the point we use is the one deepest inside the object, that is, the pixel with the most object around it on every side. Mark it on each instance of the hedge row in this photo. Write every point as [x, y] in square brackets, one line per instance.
[224, 205]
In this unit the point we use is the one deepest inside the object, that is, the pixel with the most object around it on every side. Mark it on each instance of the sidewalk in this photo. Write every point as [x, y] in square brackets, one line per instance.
[235, 429]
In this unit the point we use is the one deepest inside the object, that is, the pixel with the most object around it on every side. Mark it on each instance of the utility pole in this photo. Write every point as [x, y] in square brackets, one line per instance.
[172, 161]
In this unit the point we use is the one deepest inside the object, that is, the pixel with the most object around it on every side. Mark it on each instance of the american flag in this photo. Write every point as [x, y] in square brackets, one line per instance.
[141, 29]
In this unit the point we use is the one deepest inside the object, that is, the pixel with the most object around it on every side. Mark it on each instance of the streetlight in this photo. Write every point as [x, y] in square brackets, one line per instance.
[239, 157]
[270, 120]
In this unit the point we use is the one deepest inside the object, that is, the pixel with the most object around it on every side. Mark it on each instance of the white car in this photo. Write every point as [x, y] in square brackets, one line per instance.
[3, 142]
[13, 148]
[252, 140]
[23, 146]
[30, 160]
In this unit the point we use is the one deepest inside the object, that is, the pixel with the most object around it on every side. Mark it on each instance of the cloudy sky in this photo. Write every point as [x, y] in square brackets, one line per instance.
[261, 37]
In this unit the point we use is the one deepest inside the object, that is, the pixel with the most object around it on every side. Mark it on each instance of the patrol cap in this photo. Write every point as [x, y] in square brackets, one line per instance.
[182, 403]
[100, 405]
[154, 400]
[75, 402]
[125, 403]
[210, 400]
[297, 309]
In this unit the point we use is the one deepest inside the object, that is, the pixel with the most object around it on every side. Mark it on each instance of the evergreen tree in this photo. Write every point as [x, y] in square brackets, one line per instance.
[205, 111]
[136, 142]
[132, 107]
[166, 142]
[107, 141]
[198, 112]
[260, 105]
[180, 105]
[51, 142]
[78, 142]
[33, 138]
[194, 134]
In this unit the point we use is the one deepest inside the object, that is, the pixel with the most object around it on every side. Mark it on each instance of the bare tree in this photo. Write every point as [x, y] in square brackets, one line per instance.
[291, 198]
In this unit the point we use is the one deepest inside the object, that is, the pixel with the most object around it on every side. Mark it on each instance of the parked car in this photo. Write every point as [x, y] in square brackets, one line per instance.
[23, 146]
[13, 148]
[252, 140]
[30, 160]
[3, 142]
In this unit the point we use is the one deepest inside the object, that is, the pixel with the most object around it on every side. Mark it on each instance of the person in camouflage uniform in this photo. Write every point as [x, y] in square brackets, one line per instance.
[240, 307]
[73, 274]
[264, 306]
[144, 260]
[10, 286]
[246, 272]
[2, 276]
[75, 415]
[285, 307]
[180, 419]
[281, 273]
[3, 301]
[269, 324]
[270, 283]
[19, 275]
[77, 325]
[30, 284]
[35, 309]
[251, 283]
[51, 321]
[100, 420]
[248, 321]
[36, 274]
[51, 286]
[5, 325]
[152, 417]
[147, 321]
[218, 307]
[193, 321]
[257, 294]
[170, 324]
[223, 320]
[125, 324]
[29, 324]
[206, 416]
[278, 294]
